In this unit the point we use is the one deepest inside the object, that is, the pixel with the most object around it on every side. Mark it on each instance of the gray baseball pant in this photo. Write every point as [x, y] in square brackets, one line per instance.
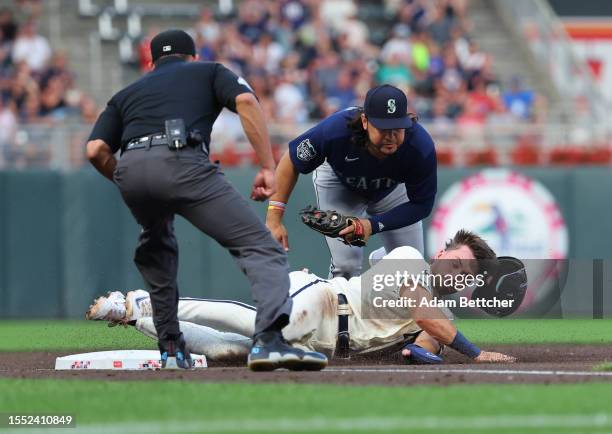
[157, 183]
[346, 261]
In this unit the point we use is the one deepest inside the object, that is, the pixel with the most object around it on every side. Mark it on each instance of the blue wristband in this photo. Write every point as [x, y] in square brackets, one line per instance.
[461, 344]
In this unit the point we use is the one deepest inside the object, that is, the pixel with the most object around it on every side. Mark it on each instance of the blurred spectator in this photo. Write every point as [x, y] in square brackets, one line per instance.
[52, 102]
[343, 94]
[295, 12]
[252, 20]
[356, 31]
[335, 12]
[441, 22]
[518, 100]
[325, 71]
[305, 59]
[31, 47]
[268, 53]
[480, 98]
[452, 78]
[420, 51]
[473, 61]
[8, 26]
[395, 72]
[398, 46]
[207, 27]
[58, 68]
[290, 102]
[207, 50]
[412, 13]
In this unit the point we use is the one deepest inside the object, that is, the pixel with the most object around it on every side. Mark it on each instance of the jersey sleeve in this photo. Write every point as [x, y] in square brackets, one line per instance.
[422, 182]
[425, 185]
[227, 86]
[308, 151]
[108, 127]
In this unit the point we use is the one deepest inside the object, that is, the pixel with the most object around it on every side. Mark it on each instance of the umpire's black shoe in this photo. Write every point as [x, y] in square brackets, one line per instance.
[174, 355]
[270, 351]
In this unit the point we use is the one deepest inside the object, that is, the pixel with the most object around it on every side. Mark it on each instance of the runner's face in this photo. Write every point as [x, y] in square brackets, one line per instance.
[454, 262]
[382, 142]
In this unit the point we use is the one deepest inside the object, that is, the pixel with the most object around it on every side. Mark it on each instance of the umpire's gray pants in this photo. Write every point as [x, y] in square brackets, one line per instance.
[156, 184]
[346, 261]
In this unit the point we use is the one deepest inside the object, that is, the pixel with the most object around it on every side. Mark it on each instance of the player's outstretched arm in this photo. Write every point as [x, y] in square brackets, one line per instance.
[432, 320]
[286, 177]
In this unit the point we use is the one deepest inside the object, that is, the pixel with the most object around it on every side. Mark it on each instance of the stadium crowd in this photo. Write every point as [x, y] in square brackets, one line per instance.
[37, 88]
[305, 59]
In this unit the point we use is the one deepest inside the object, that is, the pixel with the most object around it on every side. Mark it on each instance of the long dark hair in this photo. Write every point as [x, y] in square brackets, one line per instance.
[359, 136]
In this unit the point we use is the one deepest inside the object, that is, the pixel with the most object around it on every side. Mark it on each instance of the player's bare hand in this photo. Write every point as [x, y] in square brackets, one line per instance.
[264, 185]
[279, 233]
[367, 230]
[493, 357]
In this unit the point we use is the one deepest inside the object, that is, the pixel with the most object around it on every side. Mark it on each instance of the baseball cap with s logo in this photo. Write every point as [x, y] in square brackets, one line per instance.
[386, 107]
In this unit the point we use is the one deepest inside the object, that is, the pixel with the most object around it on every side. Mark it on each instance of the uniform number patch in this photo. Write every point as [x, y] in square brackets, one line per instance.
[305, 150]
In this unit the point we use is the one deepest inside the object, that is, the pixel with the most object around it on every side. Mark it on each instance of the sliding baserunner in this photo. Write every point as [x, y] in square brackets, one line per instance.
[327, 314]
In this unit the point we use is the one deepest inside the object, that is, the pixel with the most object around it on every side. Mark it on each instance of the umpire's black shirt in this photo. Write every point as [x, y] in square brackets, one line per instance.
[193, 91]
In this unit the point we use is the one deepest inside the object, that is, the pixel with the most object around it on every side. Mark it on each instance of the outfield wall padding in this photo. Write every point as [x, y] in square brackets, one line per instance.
[67, 237]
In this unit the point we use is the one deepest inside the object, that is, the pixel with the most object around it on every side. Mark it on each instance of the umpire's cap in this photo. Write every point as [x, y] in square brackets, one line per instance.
[171, 42]
[386, 107]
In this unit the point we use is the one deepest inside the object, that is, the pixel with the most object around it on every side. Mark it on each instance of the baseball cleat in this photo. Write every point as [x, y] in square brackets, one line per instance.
[109, 308]
[270, 351]
[138, 305]
[174, 354]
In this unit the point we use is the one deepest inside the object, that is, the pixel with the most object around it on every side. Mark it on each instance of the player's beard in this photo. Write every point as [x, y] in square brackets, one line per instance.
[383, 149]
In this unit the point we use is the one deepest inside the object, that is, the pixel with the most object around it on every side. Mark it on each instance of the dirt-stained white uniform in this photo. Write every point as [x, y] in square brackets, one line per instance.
[222, 328]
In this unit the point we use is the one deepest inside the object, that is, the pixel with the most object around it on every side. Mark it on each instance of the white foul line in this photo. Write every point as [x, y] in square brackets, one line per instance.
[473, 371]
[367, 424]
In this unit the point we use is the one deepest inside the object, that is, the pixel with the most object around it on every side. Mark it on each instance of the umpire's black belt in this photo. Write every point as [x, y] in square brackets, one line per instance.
[343, 339]
[147, 141]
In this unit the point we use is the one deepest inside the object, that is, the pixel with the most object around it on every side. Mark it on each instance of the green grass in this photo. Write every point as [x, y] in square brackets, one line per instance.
[603, 367]
[83, 335]
[180, 406]
[539, 331]
[96, 402]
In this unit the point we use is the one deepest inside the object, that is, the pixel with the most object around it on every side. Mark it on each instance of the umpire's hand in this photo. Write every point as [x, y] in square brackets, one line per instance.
[264, 185]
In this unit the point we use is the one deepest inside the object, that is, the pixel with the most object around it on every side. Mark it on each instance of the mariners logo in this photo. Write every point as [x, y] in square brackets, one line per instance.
[515, 214]
[391, 106]
[305, 150]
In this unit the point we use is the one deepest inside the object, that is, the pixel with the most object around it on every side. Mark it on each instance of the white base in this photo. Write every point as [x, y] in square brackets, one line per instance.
[122, 360]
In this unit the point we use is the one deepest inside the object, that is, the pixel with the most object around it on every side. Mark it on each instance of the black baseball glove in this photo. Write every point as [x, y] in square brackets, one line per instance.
[331, 223]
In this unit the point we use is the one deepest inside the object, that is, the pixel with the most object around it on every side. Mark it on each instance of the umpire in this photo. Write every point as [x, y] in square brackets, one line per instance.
[162, 125]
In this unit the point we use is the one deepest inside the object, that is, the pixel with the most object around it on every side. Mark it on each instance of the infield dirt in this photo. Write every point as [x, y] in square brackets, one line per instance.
[542, 364]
